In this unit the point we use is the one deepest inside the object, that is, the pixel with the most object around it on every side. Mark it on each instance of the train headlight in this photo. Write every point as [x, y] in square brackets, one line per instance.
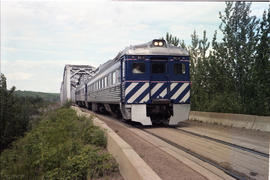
[158, 42]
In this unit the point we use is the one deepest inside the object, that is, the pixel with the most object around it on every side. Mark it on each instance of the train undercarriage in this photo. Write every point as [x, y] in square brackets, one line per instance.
[146, 114]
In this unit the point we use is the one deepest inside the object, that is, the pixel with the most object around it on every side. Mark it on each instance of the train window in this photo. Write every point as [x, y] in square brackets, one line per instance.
[109, 79]
[118, 75]
[179, 68]
[138, 68]
[158, 68]
[113, 77]
[106, 81]
[102, 83]
[123, 70]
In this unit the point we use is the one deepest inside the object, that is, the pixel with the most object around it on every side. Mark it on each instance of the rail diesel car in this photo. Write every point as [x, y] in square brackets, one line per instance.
[147, 83]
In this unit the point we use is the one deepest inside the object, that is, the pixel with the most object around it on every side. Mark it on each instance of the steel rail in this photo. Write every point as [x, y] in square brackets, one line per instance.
[227, 143]
[213, 163]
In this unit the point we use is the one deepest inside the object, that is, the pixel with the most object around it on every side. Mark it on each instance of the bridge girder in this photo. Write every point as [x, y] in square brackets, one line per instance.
[72, 76]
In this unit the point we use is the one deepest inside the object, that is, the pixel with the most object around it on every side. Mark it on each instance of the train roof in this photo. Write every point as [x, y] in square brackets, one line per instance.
[150, 49]
[145, 49]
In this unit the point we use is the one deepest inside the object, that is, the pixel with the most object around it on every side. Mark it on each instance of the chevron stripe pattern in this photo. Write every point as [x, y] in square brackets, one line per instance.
[139, 92]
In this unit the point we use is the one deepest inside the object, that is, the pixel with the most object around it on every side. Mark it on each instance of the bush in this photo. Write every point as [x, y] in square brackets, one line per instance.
[67, 104]
[61, 146]
[93, 135]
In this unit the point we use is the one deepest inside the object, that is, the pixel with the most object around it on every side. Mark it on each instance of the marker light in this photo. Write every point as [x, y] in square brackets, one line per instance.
[160, 43]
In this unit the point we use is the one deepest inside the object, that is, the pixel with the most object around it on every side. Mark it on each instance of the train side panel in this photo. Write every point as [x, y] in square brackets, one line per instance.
[106, 87]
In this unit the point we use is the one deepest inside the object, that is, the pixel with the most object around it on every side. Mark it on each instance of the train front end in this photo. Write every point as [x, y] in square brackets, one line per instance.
[156, 84]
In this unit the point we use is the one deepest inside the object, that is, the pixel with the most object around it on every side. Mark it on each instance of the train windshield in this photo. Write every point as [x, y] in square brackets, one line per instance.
[138, 68]
[158, 68]
[179, 68]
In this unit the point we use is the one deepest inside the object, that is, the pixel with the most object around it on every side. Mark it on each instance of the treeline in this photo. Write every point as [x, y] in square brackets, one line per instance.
[48, 97]
[16, 113]
[232, 75]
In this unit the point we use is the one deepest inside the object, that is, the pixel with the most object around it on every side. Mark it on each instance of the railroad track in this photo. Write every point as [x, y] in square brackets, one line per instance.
[227, 143]
[213, 163]
[229, 171]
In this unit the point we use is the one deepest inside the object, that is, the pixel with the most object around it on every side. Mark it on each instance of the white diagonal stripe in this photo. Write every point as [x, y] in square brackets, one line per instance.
[145, 99]
[163, 93]
[130, 87]
[173, 85]
[184, 99]
[156, 87]
[138, 93]
[180, 90]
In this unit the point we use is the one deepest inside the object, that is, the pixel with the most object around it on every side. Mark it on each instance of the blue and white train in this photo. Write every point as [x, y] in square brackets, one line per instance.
[147, 83]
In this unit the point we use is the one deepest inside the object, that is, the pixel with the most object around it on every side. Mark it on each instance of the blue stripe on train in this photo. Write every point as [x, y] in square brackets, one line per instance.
[179, 98]
[134, 90]
[174, 90]
[146, 92]
[164, 86]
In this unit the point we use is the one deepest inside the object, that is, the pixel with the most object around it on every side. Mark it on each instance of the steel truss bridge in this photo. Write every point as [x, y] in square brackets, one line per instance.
[73, 75]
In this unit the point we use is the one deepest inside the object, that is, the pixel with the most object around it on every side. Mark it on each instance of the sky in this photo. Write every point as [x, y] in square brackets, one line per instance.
[39, 37]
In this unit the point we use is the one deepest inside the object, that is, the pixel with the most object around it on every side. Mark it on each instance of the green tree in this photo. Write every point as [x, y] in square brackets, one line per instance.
[3, 83]
[203, 46]
[193, 52]
[238, 49]
[15, 113]
[198, 71]
[173, 40]
[261, 69]
[233, 76]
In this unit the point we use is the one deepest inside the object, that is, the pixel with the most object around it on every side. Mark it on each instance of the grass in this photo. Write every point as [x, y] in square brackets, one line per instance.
[61, 146]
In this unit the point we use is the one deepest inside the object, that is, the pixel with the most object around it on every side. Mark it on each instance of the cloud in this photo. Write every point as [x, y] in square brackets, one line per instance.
[17, 76]
[45, 76]
[39, 37]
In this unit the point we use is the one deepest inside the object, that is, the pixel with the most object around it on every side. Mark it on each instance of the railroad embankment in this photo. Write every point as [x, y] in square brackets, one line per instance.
[132, 166]
[253, 122]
